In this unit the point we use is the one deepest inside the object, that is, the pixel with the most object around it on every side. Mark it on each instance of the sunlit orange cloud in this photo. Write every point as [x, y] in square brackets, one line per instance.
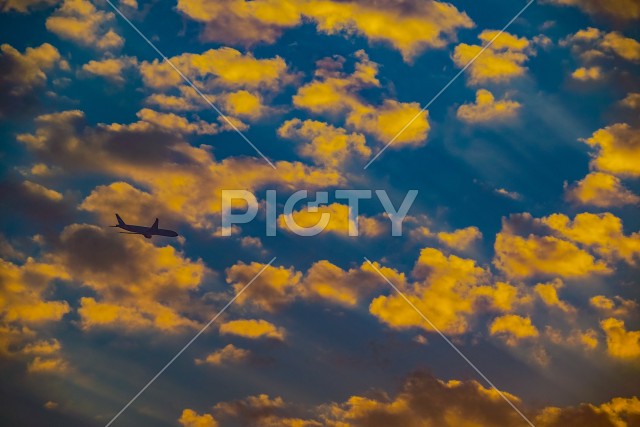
[513, 328]
[228, 354]
[111, 69]
[254, 329]
[410, 28]
[450, 290]
[487, 110]
[190, 184]
[278, 287]
[421, 398]
[25, 71]
[621, 343]
[460, 239]
[80, 22]
[501, 62]
[338, 221]
[547, 255]
[617, 150]
[140, 287]
[334, 92]
[601, 190]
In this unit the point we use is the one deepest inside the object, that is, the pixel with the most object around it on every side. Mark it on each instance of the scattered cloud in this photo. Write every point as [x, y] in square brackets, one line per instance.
[226, 355]
[410, 27]
[601, 190]
[617, 150]
[253, 329]
[80, 22]
[501, 62]
[487, 109]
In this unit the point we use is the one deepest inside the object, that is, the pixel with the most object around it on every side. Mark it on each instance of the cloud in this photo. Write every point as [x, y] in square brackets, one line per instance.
[501, 62]
[190, 184]
[224, 67]
[324, 144]
[546, 255]
[24, 289]
[460, 239]
[617, 150]
[409, 27]
[334, 92]
[585, 74]
[191, 418]
[632, 101]
[601, 232]
[167, 122]
[275, 288]
[548, 293]
[245, 104]
[339, 221]
[449, 290]
[226, 355]
[138, 286]
[253, 329]
[616, 306]
[618, 411]
[487, 109]
[513, 328]
[80, 22]
[26, 6]
[21, 74]
[601, 190]
[329, 282]
[621, 343]
[618, 9]
[110, 68]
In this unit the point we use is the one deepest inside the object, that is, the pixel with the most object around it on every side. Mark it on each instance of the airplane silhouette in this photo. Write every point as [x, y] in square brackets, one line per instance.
[145, 231]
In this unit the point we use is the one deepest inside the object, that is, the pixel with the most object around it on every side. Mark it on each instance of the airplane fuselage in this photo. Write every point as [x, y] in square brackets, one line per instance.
[148, 231]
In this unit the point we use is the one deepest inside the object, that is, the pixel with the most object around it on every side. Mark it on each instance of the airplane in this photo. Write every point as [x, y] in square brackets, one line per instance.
[145, 231]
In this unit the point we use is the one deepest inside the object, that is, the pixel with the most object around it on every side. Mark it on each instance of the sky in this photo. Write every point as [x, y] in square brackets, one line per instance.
[510, 299]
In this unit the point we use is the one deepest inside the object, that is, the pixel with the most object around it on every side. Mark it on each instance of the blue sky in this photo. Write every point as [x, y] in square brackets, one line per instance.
[522, 245]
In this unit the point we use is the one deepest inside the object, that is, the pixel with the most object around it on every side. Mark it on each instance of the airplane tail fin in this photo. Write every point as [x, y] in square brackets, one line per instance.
[120, 221]
[155, 225]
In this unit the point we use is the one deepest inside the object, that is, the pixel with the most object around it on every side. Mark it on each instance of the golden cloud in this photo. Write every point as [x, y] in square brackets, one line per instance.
[548, 293]
[23, 292]
[228, 354]
[325, 144]
[110, 68]
[339, 221]
[616, 306]
[487, 109]
[602, 190]
[460, 239]
[335, 92]
[501, 62]
[587, 73]
[602, 232]
[410, 28]
[80, 22]
[513, 328]
[254, 329]
[191, 418]
[21, 72]
[618, 150]
[449, 292]
[191, 179]
[138, 286]
[621, 343]
[522, 257]
[223, 67]
[275, 288]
